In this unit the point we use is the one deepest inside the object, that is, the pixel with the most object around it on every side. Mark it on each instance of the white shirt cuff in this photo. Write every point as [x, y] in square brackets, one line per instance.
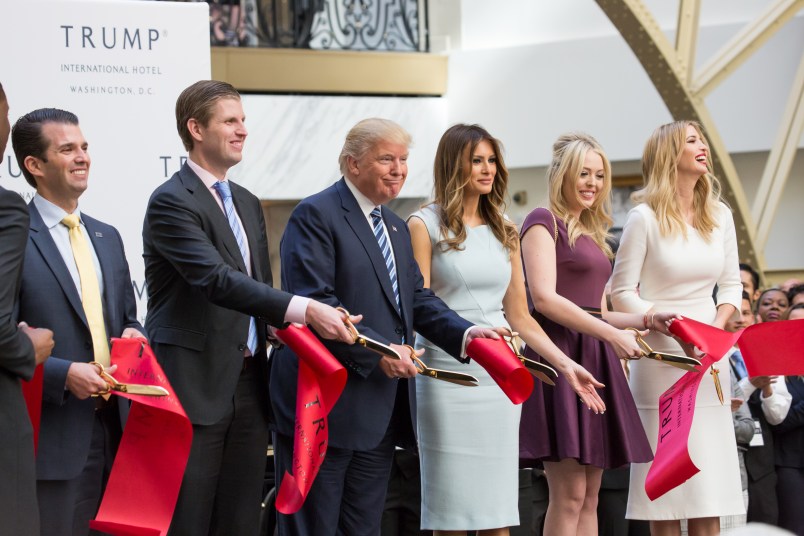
[297, 310]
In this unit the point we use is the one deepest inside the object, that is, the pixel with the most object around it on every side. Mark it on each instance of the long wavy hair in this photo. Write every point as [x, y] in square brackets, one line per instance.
[451, 175]
[569, 152]
[660, 172]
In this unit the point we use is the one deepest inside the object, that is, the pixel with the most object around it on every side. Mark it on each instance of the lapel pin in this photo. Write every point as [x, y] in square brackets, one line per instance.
[393, 227]
[100, 234]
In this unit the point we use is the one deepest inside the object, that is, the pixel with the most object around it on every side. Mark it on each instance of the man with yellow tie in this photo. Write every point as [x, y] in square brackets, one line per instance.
[75, 282]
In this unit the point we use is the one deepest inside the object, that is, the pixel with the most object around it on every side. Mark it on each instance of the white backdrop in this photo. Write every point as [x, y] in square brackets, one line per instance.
[119, 66]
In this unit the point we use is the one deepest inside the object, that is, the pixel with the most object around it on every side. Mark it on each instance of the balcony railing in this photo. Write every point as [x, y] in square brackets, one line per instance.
[386, 25]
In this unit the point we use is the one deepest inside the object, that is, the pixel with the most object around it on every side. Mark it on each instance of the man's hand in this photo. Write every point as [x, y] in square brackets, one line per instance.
[42, 340]
[404, 368]
[476, 332]
[83, 380]
[736, 403]
[131, 333]
[328, 322]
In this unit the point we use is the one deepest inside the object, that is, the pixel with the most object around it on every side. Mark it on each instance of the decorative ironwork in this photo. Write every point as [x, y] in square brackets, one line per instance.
[368, 25]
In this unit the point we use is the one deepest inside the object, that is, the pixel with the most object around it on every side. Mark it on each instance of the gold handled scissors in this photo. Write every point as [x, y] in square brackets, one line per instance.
[679, 361]
[367, 342]
[130, 388]
[545, 373]
[437, 374]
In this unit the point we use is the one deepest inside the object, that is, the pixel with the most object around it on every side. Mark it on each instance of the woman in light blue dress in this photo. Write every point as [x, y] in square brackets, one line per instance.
[468, 253]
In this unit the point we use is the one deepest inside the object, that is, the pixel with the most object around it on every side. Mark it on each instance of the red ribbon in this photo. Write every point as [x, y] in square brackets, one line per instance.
[503, 366]
[775, 348]
[320, 383]
[32, 392]
[146, 476]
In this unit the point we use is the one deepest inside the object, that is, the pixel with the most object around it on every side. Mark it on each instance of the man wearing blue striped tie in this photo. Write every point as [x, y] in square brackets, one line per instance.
[343, 247]
[209, 300]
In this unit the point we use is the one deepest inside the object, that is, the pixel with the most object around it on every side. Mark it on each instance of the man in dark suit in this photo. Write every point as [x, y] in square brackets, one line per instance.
[76, 282]
[209, 300]
[336, 251]
[21, 349]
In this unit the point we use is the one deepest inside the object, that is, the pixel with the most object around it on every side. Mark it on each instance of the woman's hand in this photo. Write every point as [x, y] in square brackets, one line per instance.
[661, 322]
[585, 386]
[624, 343]
[690, 350]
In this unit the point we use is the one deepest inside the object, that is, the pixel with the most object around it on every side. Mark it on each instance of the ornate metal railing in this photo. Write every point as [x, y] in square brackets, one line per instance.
[389, 25]
[368, 25]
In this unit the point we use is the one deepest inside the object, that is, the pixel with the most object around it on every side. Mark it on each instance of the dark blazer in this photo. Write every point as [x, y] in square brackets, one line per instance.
[17, 486]
[330, 254]
[49, 299]
[788, 436]
[200, 296]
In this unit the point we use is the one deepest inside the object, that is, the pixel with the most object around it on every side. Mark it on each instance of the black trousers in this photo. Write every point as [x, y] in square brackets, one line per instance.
[790, 490]
[348, 495]
[222, 487]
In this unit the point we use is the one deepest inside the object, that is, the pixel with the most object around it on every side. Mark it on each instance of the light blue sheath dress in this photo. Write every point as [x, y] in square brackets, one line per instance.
[468, 436]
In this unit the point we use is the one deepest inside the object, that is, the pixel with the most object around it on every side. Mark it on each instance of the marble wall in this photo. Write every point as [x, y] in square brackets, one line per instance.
[294, 141]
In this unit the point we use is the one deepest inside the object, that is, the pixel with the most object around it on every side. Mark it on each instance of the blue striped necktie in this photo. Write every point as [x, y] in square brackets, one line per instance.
[739, 365]
[225, 193]
[385, 247]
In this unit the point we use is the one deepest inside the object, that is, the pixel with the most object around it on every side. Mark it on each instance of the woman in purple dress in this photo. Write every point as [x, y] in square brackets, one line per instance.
[567, 264]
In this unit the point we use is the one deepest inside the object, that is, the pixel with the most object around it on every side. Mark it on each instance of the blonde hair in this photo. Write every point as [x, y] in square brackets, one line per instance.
[451, 175]
[368, 133]
[660, 171]
[569, 152]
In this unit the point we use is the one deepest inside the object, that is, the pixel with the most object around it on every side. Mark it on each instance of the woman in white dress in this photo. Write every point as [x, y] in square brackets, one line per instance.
[676, 246]
[468, 253]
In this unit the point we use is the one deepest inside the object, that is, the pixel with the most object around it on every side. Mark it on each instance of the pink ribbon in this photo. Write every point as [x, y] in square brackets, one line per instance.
[775, 348]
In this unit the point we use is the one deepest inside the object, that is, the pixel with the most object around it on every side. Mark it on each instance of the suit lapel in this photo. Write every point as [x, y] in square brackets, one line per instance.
[40, 236]
[101, 244]
[217, 218]
[359, 224]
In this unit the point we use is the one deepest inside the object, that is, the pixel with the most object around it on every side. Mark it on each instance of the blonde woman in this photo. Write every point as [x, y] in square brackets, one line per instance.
[677, 244]
[468, 253]
[568, 262]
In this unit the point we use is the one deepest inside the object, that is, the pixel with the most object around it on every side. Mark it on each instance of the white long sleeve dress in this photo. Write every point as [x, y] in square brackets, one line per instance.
[679, 274]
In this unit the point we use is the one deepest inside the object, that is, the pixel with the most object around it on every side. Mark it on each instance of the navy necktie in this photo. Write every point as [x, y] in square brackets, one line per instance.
[385, 247]
[225, 193]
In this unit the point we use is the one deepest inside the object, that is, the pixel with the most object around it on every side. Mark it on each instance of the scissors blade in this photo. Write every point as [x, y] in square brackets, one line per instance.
[378, 347]
[679, 361]
[138, 389]
[449, 376]
[545, 373]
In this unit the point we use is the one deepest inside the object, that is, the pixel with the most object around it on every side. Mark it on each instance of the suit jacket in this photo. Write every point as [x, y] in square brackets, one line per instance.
[329, 253]
[17, 490]
[49, 299]
[200, 296]
[788, 436]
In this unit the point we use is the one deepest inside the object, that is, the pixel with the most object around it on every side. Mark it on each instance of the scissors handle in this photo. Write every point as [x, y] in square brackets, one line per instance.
[348, 323]
[646, 349]
[105, 376]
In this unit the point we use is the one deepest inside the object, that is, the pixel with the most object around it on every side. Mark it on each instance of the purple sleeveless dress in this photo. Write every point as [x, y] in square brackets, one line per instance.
[555, 425]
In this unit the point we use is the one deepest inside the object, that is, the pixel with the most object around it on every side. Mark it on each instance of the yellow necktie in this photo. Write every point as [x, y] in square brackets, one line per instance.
[90, 289]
